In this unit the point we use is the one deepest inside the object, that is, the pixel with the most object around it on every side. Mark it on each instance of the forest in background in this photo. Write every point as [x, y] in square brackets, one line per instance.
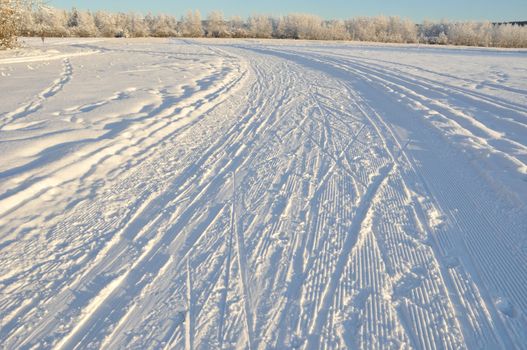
[51, 22]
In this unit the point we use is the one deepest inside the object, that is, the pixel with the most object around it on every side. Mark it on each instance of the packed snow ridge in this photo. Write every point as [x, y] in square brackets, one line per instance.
[245, 194]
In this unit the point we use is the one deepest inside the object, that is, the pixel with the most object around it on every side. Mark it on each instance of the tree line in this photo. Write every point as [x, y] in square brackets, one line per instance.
[52, 22]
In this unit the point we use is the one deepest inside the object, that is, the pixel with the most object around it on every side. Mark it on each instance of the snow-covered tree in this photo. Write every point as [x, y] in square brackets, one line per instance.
[73, 19]
[433, 32]
[11, 20]
[401, 30]
[86, 25]
[238, 28]
[473, 34]
[510, 35]
[336, 30]
[137, 26]
[192, 25]
[27, 22]
[216, 26]
[24, 18]
[303, 26]
[105, 24]
[163, 26]
[382, 29]
[260, 26]
[122, 25]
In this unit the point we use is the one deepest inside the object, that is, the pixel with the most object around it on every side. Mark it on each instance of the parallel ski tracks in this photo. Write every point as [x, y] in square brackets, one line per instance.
[453, 279]
[305, 222]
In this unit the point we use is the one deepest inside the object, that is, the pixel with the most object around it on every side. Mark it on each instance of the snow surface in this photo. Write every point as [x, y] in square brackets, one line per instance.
[262, 194]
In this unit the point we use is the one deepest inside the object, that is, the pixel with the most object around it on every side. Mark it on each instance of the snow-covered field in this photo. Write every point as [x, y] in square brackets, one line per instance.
[262, 195]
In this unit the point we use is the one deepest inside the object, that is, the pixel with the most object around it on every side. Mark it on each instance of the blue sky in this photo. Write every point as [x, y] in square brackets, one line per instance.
[494, 10]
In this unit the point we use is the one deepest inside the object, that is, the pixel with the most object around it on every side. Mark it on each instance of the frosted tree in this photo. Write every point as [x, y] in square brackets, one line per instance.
[122, 25]
[510, 35]
[401, 30]
[49, 22]
[336, 30]
[284, 30]
[216, 27]
[442, 39]
[27, 25]
[433, 32]
[361, 29]
[260, 26]
[192, 25]
[287, 27]
[73, 19]
[137, 26]
[473, 33]
[11, 12]
[81, 24]
[383, 29]
[461, 34]
[238, 27]
[86, 25]
[305, 26]
[149, 22]
[105, 24]
[22, 17]
[163, 26]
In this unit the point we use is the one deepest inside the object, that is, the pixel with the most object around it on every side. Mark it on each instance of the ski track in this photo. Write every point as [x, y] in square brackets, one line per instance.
[255, 195]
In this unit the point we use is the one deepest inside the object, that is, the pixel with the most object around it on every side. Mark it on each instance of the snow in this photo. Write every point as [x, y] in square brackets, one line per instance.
[163, 193]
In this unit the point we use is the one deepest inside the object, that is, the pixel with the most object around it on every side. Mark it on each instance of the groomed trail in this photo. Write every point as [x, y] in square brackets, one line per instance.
[244, 194]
